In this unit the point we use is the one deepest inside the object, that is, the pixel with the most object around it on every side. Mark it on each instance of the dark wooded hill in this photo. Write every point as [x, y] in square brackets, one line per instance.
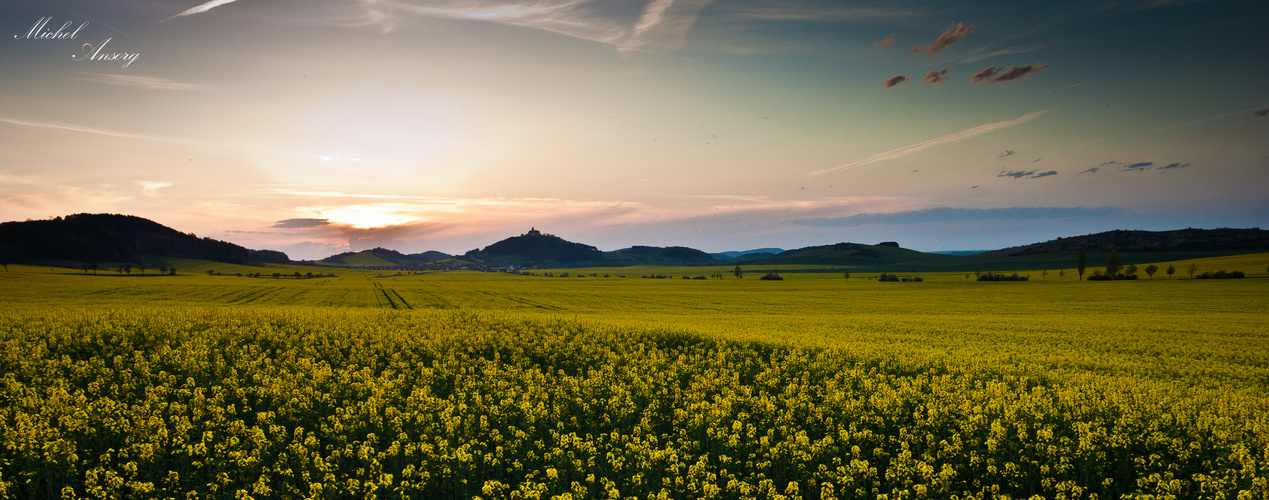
[1181, 240]
[92, 238]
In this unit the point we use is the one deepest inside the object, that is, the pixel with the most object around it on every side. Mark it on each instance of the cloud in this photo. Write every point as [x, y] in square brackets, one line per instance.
[1139, 166]
[1262, 112]
[1025, 174]
[790, 10]
[938, 141]
[1092, 170]
[894, 80]
[140, 81]
[885, 42]
[660, 23]
[936, 77]
[1008, 152]
[992, 74]
[301, 223]
[944, 40]
[1175, 125]
[1172, 166]
[97, 131]
[948, 214]
[149, 187]
[200, 8]
[1001, 52]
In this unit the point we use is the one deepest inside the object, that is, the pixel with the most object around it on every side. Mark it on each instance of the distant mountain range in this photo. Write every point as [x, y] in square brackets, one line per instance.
[108, 238]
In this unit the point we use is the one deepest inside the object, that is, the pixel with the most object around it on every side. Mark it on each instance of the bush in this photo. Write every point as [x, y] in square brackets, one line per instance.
[1098, 275]
[772, 277]
[1220, 275]
[990, 276]
[895, 278]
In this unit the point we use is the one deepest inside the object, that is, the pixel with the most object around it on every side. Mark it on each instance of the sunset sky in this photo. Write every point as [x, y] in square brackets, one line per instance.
[321, 126]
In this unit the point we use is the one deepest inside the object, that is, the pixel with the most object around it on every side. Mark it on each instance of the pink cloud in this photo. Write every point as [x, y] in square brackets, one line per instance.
[947, 38]
[885, 42]
[895, 80]
[992, 74]
[936, 77]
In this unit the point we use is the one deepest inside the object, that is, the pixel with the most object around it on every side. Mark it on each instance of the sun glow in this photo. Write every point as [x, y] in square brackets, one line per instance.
[367, 217]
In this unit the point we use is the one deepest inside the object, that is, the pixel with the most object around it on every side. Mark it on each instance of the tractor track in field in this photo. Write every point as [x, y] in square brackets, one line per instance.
[523, 301]
[388, 294]
[254, 295]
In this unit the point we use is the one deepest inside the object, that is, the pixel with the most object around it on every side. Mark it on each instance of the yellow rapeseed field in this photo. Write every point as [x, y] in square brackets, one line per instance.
[492, 385]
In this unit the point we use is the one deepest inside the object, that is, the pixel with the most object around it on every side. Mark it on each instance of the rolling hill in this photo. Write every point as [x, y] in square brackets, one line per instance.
[101, 238]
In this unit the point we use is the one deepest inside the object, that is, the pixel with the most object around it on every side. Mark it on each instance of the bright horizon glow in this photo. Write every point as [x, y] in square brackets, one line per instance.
[326, 126]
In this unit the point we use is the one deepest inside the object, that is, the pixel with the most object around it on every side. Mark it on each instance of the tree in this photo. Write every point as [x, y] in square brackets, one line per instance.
[1131, 270]
[1171, 270]
[1045, 274]
[171, 271]
[141, 268]
[1192, 269]
[162, 270]
[737, 272]
[1061, 273]
[5, 263]
[127, 268]
[1114, 263]
[1151, 269]
[1081, 261]
[847, 276]
[85, 268]
[93, 266]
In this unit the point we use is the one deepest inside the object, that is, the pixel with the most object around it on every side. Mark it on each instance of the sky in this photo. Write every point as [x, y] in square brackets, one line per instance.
[322, 126]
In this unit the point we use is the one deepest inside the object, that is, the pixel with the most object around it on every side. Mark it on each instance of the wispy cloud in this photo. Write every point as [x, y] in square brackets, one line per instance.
[789, 10]
[1007, 152]
[1001, 52]
[1262, 112]
[1138, 166]
[661, 23]
[145, 82]
[97, 131]
[894, 80]
[885, 42]
[200, 8]
[938, 141]
[948, 214]
[944, 40]
[151, 187]
[1175, 125]
[992, 74]
[1173, 166]
[1091, 170]
[1026, 174]
[936, 77]
[301, 223]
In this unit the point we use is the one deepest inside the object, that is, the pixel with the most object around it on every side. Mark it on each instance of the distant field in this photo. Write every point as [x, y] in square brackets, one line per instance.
[464, 384]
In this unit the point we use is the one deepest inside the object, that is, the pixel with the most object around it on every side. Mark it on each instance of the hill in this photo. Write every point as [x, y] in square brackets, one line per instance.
[1182, 240]
[383, 257]
[757, 253]
[848, 254]
[658, 256]
[537, 248]
[100, 238]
